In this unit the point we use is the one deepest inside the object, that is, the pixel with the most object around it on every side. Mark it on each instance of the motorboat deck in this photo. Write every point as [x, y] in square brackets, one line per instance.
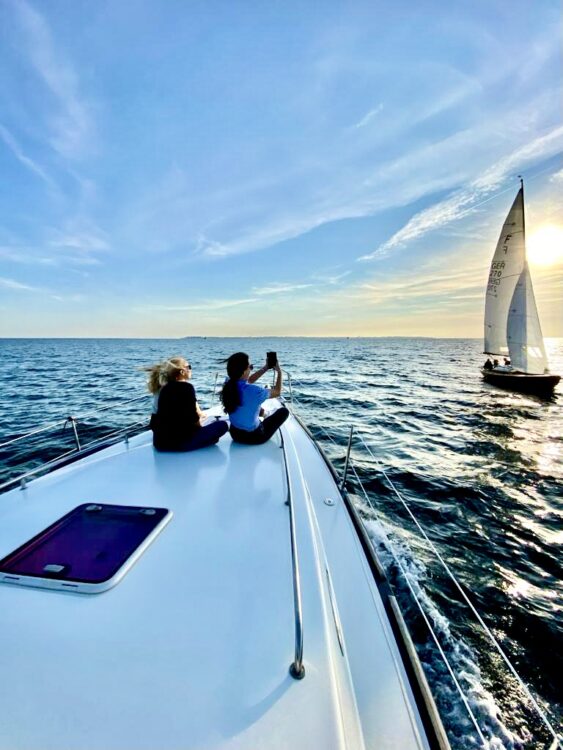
[192, 648]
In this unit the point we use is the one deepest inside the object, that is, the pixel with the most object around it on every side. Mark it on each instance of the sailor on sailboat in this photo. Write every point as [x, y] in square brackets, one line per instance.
[512, 326]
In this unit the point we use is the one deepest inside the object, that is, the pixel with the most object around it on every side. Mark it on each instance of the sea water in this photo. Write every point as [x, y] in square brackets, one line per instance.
[479, 468]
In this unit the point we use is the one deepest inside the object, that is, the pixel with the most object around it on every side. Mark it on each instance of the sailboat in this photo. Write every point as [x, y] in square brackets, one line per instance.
[512, 325]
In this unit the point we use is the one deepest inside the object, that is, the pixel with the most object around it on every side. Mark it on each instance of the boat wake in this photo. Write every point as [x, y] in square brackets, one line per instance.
[470, 713]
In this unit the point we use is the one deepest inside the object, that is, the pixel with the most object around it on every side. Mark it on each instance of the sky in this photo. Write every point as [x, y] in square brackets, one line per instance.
[246, 168]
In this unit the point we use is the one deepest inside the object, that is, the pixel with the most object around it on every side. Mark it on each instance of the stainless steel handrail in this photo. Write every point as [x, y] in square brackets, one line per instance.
[296, 668]
[102, 442]
[63, 422]
[285, 372]
[345, 473]
[115, 405]
[21, 478]
[72, 421]
[79, 449]
[35, 432]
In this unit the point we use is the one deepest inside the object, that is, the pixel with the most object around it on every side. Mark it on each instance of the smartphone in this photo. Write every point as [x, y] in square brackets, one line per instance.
[271, 359]
[86, 551]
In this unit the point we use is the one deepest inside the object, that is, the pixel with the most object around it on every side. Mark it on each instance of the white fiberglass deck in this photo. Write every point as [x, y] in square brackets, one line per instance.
[191, 649]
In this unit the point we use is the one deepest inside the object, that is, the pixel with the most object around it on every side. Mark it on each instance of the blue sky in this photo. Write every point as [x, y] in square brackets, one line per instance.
[257, 168]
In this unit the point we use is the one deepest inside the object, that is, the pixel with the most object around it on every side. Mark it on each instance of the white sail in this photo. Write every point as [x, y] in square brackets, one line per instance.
[525, 340]
[506, 267]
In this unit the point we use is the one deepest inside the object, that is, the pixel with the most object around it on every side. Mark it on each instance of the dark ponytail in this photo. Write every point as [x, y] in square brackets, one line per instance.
[236, 365]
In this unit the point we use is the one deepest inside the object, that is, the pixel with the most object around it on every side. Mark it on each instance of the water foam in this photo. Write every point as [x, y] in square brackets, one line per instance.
[398, 562]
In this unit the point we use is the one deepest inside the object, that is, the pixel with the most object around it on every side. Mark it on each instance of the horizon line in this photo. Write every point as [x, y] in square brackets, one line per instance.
[241, 336]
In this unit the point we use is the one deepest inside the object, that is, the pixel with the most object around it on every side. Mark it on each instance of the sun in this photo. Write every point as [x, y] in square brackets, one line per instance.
[545, 245]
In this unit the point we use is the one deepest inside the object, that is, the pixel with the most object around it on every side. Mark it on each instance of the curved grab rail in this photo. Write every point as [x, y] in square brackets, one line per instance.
[296, 668]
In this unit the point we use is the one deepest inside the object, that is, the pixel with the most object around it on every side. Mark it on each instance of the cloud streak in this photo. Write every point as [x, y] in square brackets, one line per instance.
[18, 286]
[442, 165]
[205, 306]
[368, 117]
[72, 127]
[331, 279]
[279, 288]
[467, 201]
[80, 234]
[29, 163]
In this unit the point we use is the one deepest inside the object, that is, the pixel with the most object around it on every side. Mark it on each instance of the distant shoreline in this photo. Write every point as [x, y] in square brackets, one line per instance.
[257, 338]
[203, 338]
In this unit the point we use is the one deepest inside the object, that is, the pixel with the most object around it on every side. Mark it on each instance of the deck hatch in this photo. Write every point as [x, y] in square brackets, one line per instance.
[88, 549]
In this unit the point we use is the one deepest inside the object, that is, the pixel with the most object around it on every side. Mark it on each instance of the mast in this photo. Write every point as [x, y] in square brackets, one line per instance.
[523, 214]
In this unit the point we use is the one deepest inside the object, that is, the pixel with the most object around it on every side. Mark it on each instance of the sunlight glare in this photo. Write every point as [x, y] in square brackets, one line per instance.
[545, 245]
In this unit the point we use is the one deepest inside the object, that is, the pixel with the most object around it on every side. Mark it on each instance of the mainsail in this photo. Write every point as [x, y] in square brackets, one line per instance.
[525, 340]
[506, 268]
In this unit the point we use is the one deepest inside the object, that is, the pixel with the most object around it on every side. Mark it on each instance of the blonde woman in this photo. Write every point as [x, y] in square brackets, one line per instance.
[176, 419]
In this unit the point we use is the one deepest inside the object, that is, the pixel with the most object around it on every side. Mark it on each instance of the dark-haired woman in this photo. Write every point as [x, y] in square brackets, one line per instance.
[176, 419]
[242, 401]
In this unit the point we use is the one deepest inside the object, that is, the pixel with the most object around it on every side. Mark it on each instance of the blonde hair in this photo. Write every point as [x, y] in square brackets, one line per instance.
[164, 372]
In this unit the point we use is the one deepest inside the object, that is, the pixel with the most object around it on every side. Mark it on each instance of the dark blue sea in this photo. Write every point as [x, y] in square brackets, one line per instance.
[479, 468]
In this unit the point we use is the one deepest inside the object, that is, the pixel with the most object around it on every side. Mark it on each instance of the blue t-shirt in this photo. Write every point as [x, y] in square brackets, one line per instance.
[245, 416]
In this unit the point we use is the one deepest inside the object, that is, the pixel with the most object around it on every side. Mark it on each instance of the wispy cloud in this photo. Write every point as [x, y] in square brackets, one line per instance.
[468, 200]
[355, 194]
[21, 256]
[368, 117]
[80, 234]
[539, 148]
[428, 286]
[249, 238]
[210, 248]
[71, 124]
[24, 256]
[69, 297]
[17, 285]
[205, 306]
[279, 288]
[331, 279]
[429, 220]
[80, 260]
[437, 130]
[29, 163]
[464, 285]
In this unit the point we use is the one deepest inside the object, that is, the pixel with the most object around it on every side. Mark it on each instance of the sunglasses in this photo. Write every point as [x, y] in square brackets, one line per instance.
[251, 367]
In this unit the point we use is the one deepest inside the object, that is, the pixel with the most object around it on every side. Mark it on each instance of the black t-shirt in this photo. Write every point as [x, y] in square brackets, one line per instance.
[176, 418]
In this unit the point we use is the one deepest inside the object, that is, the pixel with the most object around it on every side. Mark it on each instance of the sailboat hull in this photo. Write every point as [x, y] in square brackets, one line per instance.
[539, 385]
